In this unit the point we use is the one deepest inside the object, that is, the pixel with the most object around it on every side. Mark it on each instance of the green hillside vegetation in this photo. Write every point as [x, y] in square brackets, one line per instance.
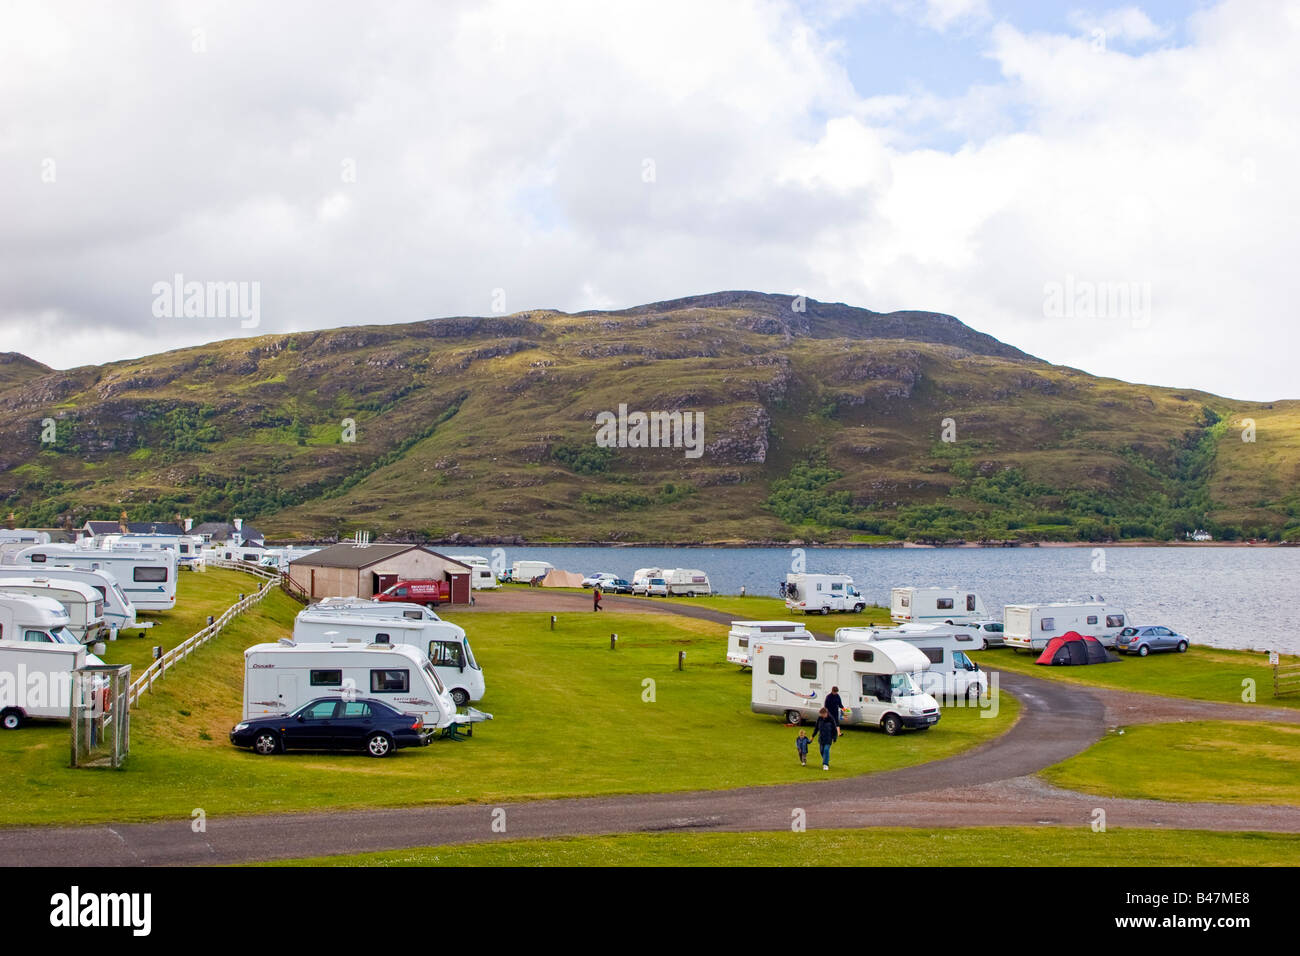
[821, 425]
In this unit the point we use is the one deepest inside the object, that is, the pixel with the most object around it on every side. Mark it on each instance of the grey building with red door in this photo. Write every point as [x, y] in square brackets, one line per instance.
[364, 570]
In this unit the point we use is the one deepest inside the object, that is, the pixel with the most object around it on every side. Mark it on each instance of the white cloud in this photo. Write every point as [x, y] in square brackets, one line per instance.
[406, 162]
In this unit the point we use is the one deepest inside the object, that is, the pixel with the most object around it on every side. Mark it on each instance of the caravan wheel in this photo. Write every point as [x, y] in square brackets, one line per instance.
[460, 697]
[793, 717]
[825, 611]
[11, 719]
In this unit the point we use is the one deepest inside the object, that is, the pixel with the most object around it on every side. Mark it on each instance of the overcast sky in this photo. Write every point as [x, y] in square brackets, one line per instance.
[997, 161]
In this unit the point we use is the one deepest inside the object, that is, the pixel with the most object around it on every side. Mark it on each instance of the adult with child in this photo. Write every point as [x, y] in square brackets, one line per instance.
[835, 705]
[827, 732]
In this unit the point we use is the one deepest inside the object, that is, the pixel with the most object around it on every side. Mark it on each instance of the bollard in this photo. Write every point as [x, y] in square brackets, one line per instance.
[210, 620]
[681, 659]
[157, 651]
[552, 622]
[742, 590]
[613, 639]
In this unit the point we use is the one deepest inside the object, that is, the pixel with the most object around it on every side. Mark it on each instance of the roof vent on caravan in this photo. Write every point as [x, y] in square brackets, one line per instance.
[287, 642]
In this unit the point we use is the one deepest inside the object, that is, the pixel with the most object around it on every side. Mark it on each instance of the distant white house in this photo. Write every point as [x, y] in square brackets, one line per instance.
[1199, 535]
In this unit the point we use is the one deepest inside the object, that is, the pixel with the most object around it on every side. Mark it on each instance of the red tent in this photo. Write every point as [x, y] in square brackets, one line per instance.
[1074, 648]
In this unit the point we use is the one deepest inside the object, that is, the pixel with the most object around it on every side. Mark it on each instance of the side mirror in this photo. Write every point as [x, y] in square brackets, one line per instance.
[301, 718]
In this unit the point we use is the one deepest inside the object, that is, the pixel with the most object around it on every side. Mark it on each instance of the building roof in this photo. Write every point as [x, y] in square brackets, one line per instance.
[345, 554]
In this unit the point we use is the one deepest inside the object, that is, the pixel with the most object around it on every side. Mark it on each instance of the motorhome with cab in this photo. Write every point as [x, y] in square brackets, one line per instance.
[36, 678]
[119, 612]
[481, 577]
[280, 677]
[1031, 626]
[444, 644]
[743, 633]
[83, 603]
[822, 593]
[950, 674]
[935, 606]
[792, 678]
[35, 620]
[148, 578]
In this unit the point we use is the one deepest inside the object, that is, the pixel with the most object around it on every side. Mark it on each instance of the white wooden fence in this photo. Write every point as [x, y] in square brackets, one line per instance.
[192, 643]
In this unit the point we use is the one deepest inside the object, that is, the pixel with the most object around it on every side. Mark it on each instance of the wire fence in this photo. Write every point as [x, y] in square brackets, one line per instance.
[158, 668]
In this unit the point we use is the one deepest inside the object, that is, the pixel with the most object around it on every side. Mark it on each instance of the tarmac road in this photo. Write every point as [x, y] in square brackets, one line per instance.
[990, 785]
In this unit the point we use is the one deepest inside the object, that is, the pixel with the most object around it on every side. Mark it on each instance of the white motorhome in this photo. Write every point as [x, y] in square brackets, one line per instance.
[687, 582]
[444, 644]
[822, 593]
[281, 677]
[186, 546]
[119, 612]
[742, 633]
[951, 674]
[353, 605]
[481, 577]
[1031, 626]
[83, 603]
[792, 679]
[527, 570]
[279, 558]
[36, 679]
[935, 606]
[148, 578]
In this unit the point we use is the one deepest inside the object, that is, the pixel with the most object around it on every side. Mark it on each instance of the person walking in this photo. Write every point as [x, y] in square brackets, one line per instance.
[801, 745]
[836, 706]
[827, 732]
[595, 598]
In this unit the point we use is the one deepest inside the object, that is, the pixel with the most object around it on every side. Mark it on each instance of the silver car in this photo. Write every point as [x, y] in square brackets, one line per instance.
[1144, 639]
[990, 633]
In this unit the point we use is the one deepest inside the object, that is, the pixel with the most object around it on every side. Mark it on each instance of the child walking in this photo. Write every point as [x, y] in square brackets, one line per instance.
[801, 745]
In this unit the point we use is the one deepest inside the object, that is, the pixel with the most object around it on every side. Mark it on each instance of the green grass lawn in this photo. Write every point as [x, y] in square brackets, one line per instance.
[570, 720]
[1203, 673]
[974, 846]
[1214, 761]
[198, 594]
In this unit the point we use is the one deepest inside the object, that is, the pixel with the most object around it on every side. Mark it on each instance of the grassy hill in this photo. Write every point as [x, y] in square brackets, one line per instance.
[821, 424]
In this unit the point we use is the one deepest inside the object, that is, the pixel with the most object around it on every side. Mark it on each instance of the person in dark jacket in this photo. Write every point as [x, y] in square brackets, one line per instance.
[835, 705]
[827, 732]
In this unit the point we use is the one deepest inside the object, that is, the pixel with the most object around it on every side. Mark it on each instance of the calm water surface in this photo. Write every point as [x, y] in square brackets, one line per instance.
[1225, 597]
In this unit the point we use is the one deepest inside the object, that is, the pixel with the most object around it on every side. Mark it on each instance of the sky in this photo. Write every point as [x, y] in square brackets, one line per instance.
[1108, 187]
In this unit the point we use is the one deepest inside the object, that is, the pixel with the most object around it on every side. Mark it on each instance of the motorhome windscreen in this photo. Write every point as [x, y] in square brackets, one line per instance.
[901, 685]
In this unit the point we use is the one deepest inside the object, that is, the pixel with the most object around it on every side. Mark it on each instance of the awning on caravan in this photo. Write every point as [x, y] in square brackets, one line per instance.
[555, 578]
[1074, 648]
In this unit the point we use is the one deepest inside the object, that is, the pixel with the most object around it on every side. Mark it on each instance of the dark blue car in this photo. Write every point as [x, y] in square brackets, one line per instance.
[331, 723]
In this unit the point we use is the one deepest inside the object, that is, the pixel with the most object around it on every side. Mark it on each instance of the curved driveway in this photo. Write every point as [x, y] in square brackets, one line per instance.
[990, 785]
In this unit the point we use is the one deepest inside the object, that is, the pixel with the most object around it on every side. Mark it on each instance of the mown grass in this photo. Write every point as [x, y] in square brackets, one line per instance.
[1213, 761]
[572, 718]
[971, 846]
[1203, 673]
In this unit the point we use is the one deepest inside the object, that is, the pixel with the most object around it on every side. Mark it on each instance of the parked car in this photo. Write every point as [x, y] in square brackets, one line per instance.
[654, 587]
[600, 577]
[616, 586]
[990, 633]
[1143, 639]
[330, 723]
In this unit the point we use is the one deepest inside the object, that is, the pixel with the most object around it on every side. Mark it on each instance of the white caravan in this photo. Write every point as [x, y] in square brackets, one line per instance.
[278, 559]
[480, 571]
[687, 582]
[792, 679]
[36, 679]
[119, 612]
[935, 606]
[1031, 626]
[822, 593]
[527, 570]
[83, 603]
[742, 633]
[23, 536]
[951, 674]
[352, 605]
[279, 678]
[444, 644]
[148, 578]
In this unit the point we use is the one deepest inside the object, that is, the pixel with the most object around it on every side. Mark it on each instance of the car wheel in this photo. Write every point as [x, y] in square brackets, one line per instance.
[11, 719]
[891, 725]
[266, 743]
[460, 697]
[793, 717]
[984, 644]
[1143, 650]
[973, 692]
[825, 611]
[859, 608]
[1182, 647]
[379, 745]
